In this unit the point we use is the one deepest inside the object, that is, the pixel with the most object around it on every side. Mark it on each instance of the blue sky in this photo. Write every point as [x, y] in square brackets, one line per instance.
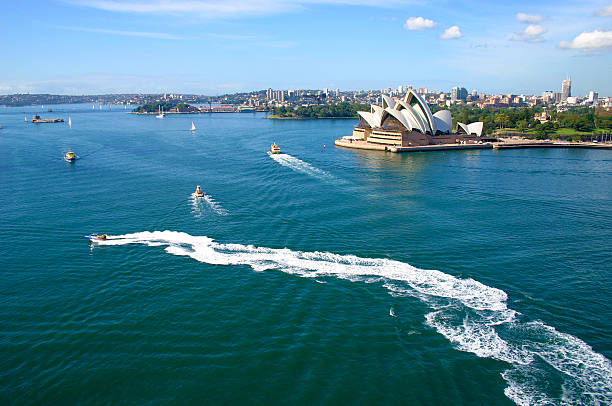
[218, 46]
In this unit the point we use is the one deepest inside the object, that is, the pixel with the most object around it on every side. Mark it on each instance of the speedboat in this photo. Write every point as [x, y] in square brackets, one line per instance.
[96, 237]
[198, 192]
[275, 149]
[70, 156]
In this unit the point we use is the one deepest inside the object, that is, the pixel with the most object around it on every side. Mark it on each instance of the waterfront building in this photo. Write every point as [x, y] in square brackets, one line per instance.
[409, 122]
[566, 89]
[593, 96]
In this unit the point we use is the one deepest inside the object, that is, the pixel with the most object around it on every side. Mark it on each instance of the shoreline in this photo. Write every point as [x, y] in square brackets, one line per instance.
[364, 145]
[273, 117]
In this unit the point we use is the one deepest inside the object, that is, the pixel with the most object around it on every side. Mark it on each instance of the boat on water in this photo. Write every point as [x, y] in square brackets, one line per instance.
[275, 149]
[97, 237]
[161, 113]
[70, 156]
[192, 127]
[198, 192]
[37, 119]
[69, 122]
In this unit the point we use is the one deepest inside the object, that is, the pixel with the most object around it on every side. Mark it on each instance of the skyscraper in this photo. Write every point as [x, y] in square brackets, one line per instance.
[566, 89]
[458, 93]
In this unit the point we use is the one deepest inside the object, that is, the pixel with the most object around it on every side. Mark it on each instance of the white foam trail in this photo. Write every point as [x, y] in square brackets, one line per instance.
[197, 205]
[472, 316]
[300, 166]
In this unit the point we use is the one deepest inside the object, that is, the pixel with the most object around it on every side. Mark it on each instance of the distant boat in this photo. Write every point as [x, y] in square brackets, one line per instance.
[25, 118]
[192, 127]
[93, 106]
[69, 122]
[161, 113]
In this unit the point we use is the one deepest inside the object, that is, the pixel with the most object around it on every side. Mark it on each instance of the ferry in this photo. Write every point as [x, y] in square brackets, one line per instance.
[37, 119]
[96, 237]
[198, 192]
[70, 156]
[275, 149]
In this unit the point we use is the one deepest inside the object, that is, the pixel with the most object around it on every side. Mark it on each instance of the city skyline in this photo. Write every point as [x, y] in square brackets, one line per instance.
[213, 47]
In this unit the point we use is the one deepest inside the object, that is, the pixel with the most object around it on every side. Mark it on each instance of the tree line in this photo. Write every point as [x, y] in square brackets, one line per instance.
[165, 106]
[522, 119]
[343, 109]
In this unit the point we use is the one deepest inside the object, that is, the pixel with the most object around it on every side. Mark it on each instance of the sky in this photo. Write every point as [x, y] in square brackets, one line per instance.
[225, 46]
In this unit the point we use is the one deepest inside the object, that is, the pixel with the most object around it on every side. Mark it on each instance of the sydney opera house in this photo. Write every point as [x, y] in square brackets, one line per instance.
[409, 122]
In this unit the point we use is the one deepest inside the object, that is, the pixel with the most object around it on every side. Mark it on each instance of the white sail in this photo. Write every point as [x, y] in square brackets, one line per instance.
[192, 126]
[25, 119]
[69, 122]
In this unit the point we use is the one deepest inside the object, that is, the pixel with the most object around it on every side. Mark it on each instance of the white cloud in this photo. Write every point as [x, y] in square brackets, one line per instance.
[529, 18]
[590, 41]
[451, 33]
[418, 24]
[605, 12]
[533, 33]
[144, 34]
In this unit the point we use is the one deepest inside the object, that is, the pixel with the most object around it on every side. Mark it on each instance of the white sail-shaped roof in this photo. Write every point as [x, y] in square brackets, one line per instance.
[370, 118]
[387, 102]
[413, 98]
[473, 128]
[415, 115]
[399, 116]
[443, 121]
[476, 128]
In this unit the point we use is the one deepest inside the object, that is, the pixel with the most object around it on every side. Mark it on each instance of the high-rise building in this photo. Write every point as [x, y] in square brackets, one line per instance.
[593, 96]
[458, 93]
[566, 89]
[400, 89]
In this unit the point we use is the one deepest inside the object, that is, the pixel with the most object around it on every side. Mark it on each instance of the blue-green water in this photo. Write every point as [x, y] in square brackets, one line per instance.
[319, 276]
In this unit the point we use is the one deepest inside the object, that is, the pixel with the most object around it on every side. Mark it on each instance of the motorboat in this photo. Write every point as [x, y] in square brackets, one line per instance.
[97, 237]
[198, 192]
[275, 149]
[70, 156]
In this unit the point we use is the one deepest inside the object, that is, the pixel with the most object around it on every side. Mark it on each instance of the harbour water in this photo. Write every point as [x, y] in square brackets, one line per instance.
[318, 276]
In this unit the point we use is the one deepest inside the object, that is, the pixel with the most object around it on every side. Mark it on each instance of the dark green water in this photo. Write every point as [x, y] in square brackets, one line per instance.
[320, 276]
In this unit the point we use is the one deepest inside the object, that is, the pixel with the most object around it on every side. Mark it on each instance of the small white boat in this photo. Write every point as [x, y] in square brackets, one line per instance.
[198, 192]
[25, 119]
[69, 122]
[192, 127]
[161, 113]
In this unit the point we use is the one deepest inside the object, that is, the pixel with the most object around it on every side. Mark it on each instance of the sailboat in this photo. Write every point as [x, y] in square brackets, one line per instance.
[192, 127]
[69, 122]
[25, 119]
[161, 113]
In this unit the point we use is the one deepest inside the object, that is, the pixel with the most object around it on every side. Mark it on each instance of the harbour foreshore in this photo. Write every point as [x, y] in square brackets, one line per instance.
[502, 144]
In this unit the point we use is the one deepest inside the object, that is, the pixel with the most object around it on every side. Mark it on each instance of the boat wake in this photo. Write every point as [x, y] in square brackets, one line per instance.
[199, 205]
[546, 366]
[300, 166]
